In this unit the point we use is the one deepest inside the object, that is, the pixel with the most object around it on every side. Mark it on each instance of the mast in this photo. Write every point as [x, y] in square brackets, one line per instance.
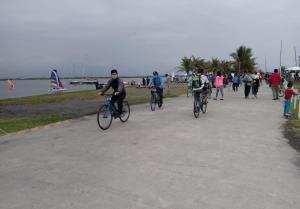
[280, 56]
[265, 63]
[296, 63]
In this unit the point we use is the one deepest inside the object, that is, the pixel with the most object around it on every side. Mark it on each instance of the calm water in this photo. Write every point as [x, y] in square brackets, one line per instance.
[38, 87]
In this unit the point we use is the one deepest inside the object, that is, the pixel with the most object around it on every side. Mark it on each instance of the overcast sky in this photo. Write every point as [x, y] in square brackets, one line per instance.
[136, 36]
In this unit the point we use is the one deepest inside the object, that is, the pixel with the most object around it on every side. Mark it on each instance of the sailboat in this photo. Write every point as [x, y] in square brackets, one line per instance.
[11, 84]
[55, 83]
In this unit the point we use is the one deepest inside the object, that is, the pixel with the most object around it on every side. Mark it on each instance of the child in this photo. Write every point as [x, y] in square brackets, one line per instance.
[289, 92]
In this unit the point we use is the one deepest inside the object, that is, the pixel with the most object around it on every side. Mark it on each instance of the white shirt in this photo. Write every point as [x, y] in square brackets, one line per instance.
[204, 80]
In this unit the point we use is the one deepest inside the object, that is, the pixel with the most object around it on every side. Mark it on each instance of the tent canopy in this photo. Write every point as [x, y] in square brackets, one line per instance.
[293, 69]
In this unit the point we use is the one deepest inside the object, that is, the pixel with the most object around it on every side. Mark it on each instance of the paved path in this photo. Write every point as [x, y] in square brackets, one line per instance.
[233, 157]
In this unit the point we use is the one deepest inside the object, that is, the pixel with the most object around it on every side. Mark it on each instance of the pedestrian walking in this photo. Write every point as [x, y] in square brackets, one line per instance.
[275, 81]
[219, 85]
[248, 82]
[235, 82]
[255, 84]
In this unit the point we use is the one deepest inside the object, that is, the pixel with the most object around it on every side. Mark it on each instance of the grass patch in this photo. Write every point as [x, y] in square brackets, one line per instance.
[50, 98]
[177, 89]
[8, 125]
[17, 124]
[292, 133]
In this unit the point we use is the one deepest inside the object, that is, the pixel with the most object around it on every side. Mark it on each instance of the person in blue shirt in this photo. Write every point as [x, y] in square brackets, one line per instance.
[157, 82]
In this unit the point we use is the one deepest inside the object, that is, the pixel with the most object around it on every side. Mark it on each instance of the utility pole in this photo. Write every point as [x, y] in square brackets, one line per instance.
[265, 63]
[280, 56]
[296, 64]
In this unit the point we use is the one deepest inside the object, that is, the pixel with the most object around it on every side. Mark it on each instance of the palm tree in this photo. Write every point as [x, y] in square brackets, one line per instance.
[213, 65]
[186, 65]
[243, 59]
[197, 63]
[226, 66]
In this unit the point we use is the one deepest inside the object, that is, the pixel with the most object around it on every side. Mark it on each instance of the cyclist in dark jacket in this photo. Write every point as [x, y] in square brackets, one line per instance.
[117, 85]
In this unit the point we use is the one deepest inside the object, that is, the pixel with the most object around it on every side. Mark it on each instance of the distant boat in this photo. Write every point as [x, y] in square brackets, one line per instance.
[11, 84]
[55, 83]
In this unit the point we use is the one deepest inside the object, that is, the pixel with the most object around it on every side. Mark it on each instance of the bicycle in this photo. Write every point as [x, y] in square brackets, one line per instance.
[200, 103]
[108, 111]
[154, 99]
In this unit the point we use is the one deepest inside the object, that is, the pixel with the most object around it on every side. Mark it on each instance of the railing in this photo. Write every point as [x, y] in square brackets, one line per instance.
[296, 105]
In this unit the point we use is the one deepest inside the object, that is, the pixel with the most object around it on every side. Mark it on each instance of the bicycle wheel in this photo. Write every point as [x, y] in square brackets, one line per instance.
[196, 108]
[104, 117]
[125, 112]
[204, 107]
[152, 102]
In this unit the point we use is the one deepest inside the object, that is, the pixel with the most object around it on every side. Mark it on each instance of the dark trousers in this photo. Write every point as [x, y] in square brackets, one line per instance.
[235, 86]
[119, 99]
[160, 92]
[247, 90]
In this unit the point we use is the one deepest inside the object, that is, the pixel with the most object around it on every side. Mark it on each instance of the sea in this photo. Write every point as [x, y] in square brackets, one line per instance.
[25, 88]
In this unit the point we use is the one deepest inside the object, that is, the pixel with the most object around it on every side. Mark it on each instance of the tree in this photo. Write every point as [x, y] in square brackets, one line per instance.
[226, 66]
[197, 63]
[213, 65]
[243, 60]
[186, 65]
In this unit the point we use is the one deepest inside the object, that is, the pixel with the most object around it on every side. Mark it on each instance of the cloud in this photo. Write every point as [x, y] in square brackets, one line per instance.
[139, 35]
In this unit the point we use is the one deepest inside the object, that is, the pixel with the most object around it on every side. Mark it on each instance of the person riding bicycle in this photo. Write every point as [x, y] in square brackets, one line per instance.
[205, 85]
[157, 82]
[196, 84]
[119, 92]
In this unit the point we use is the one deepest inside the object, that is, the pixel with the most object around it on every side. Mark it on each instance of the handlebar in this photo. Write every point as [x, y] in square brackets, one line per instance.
[106, 95]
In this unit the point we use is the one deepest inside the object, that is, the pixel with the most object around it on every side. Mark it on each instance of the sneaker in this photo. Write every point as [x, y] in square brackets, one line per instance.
[221, 99]
[215, 98]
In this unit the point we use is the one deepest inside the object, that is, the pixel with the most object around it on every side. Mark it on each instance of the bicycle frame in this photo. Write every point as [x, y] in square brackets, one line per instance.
[109, 103]
[155, 95]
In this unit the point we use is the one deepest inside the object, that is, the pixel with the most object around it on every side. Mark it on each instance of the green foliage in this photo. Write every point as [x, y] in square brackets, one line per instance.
[186, 65]
[243, 60]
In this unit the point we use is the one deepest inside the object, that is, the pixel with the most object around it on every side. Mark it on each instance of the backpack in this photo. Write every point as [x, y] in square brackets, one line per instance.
[196, 82]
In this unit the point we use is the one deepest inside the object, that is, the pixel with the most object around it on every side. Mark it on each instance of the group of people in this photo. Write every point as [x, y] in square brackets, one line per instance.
[204, 83]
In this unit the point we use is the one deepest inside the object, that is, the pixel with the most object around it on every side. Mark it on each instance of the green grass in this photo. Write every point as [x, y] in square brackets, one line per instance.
[50, 98]
[17, 124]
[134, 96]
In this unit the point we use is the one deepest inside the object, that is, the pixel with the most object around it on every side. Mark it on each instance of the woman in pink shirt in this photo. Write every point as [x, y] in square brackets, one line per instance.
[219, 85]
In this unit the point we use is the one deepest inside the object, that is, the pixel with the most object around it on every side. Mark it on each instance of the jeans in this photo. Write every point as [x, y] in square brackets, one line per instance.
[160, 92]
[247, 90]
[119, 99]
[287, 106]
[235, 86]
[221, 90]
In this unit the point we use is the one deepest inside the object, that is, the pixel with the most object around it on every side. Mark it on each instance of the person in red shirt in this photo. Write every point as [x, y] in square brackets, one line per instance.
[275, 81]
[288, 93]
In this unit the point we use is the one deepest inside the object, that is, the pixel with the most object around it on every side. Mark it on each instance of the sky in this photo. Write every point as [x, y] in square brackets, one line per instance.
[90, 37]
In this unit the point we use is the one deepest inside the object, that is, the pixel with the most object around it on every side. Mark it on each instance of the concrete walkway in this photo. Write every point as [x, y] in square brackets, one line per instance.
[233, 157]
